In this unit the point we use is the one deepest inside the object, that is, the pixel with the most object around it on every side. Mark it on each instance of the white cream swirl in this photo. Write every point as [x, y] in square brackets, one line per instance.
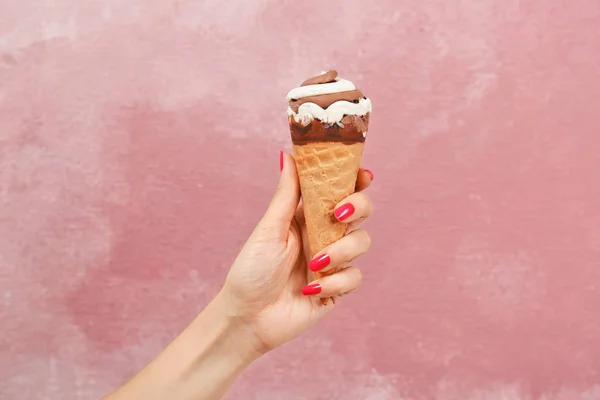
[333, 114]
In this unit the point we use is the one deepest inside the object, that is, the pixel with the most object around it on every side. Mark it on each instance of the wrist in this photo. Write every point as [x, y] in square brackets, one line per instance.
[231, 336]
[201, 363]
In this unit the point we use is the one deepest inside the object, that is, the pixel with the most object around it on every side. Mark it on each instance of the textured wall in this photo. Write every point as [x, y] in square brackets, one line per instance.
[139, 144]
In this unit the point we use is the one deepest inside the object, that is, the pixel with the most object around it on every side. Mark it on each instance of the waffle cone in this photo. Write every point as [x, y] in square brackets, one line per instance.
[327, 172]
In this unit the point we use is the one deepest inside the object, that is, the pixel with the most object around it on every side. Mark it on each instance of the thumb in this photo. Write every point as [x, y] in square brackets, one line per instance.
[283, 206]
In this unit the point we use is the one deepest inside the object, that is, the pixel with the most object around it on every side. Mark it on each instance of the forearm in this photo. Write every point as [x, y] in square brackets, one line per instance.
[200, 364]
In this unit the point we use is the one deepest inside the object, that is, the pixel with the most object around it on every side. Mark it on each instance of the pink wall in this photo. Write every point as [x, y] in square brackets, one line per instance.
[139, 144]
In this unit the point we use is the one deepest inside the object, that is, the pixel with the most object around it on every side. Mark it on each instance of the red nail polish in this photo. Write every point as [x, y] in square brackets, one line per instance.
[319, 263]
[310, 290]
[368, 171]
[281, 160]
[344, 211]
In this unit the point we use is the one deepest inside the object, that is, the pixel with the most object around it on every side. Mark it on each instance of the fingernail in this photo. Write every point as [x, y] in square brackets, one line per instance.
[344, 211]
[368, 171]
[310, 290]
[319, 263]
[281, 160]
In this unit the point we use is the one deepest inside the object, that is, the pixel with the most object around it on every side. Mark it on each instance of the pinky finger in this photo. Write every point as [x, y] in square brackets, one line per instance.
[340, 283]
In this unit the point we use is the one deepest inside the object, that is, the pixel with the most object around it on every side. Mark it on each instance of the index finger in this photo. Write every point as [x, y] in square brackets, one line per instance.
[364, 179]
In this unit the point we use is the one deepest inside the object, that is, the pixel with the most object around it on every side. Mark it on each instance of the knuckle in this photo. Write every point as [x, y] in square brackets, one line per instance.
[358, 244]
[370, 206]
[362, 199]
[367, 239]
[364, 239]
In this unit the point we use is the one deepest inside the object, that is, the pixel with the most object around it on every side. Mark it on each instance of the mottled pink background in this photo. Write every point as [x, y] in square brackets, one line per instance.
[139, 145]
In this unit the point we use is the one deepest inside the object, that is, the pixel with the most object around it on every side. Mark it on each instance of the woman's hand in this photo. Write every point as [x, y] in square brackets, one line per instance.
[270, 286]
[268, 299]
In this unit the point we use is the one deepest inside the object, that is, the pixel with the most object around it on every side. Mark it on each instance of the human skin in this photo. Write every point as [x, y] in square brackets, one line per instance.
[268, 298]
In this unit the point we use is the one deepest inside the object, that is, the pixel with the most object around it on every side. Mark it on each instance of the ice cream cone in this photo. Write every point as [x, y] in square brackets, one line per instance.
[328, 145]
[327, 173]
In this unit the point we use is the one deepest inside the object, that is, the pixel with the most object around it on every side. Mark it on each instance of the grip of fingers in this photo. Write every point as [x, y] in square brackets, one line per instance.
[325, 300]
[321, 274]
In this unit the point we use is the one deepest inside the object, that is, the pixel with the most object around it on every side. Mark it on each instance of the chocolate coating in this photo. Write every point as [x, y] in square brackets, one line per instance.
[352, 129]
[327, 77]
